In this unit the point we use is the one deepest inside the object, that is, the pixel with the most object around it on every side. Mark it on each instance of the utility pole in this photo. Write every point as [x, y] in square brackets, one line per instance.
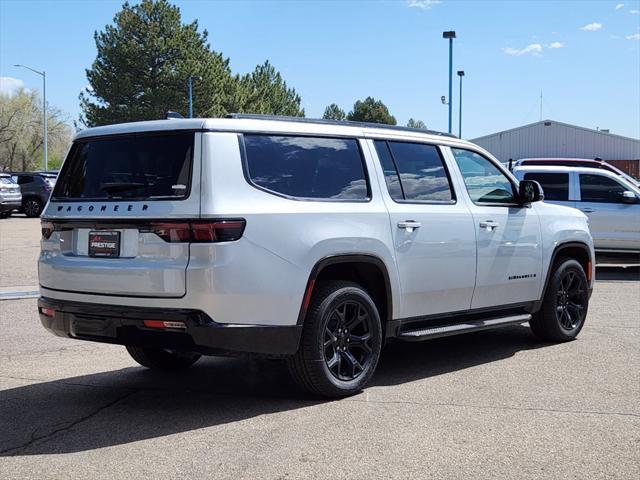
[450, 35]
[540, 105]
[460, 74]
[190, 97]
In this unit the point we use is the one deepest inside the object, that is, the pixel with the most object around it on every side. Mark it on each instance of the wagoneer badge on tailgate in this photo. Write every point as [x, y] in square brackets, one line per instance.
[103, 208]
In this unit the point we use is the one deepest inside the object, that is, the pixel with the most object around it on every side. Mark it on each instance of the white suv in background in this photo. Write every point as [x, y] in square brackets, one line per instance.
[611, 203]
[313, 241]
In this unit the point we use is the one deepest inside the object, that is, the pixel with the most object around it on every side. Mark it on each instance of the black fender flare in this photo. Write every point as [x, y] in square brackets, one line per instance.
[556, 251]
[345, 258]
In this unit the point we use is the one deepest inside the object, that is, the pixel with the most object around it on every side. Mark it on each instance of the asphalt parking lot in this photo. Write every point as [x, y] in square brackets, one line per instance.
[495, 404]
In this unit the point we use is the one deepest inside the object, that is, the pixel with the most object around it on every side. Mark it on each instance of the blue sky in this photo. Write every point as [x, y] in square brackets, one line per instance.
[583, 55]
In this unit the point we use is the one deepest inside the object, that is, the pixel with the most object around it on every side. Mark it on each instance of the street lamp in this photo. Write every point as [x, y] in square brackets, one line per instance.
[450, 35]
[44, 113]
[190, 80]
[190, 97]
[460, 74]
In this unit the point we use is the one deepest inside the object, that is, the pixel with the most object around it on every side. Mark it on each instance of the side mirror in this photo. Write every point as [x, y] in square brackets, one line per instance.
[629, 197]
[530, 191]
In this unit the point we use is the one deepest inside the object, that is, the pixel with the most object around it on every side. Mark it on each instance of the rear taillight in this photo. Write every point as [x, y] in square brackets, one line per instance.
[200, 231]
[46, 188]
[172, 232]
[47, 229]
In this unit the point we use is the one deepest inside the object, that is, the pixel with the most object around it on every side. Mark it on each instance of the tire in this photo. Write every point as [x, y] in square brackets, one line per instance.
[162, 359]
[341, 341]
[5, 214]
[32, 207]
[565, 304]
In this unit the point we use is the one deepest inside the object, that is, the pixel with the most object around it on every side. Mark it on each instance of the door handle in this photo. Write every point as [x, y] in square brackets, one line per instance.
[409, 225]
[587, 210]
[490, 225]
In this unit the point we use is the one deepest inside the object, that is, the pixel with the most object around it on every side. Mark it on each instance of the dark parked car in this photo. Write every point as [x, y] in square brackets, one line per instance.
[35, 188]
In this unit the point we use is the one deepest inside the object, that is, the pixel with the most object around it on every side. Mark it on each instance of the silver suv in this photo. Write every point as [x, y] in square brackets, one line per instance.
[610, 201]
[313, 241]
[10, 196]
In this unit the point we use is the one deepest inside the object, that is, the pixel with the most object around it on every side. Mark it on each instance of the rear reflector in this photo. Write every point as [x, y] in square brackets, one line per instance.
[47, 312]
[164, 324]
[307, 294]
[589, 270]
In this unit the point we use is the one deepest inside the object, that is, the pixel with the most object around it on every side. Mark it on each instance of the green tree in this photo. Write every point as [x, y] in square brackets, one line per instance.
[334, 112]
[143, 62]
[264, 91]
[371, 110]
[21, 132]
[416, 123]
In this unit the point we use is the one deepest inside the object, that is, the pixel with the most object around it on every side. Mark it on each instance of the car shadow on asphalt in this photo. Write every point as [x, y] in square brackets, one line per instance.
[132, 404]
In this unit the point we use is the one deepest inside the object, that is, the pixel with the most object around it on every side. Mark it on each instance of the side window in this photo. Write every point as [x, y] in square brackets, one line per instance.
[485, 182]
[391, 176]
[307, 167]
[414, 172]
[601, 189]
[555, 185]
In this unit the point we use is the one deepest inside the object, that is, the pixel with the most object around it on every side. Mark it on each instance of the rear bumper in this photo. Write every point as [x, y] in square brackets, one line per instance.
[124, 325]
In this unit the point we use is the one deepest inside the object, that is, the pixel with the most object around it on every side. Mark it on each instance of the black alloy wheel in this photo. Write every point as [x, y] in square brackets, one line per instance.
[571, 300]
[32, 207]
[565, 303]
[341, 340]
[348, 343]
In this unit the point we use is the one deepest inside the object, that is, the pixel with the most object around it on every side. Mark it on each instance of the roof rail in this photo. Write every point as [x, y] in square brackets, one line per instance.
[346, 123]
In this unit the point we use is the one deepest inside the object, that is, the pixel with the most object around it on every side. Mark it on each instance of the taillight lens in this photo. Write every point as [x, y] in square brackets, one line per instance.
[172, 232]
[201, 231]
[47, 229]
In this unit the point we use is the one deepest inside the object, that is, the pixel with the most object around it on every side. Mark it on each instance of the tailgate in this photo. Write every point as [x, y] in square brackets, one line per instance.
[107, 217]
[139, 262]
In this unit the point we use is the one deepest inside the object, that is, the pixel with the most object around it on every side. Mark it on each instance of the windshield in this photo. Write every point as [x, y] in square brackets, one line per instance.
[131, 167]
[6, 181]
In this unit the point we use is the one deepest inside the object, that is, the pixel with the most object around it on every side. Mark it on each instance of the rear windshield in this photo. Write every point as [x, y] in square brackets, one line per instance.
[133, 167]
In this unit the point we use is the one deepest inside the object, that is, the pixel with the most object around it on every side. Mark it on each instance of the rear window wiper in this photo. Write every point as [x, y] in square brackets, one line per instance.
[113, 187]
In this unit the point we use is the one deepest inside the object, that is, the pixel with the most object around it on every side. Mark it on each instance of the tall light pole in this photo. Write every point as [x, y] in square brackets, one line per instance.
[460, 74]
[450, 35]
[43, 74]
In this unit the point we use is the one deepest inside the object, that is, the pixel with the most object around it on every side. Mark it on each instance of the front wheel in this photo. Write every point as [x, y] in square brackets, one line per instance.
[162, 358]
[565, 303]
[341, 341]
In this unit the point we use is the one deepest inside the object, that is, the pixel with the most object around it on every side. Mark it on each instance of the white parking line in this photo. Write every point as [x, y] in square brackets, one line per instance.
[20, 294]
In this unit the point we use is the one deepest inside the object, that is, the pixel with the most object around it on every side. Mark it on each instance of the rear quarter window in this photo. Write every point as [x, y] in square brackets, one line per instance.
[305, 167]
[131, 167]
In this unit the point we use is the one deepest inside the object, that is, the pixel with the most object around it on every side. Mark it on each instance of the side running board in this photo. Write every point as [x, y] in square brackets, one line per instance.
[467, 327]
